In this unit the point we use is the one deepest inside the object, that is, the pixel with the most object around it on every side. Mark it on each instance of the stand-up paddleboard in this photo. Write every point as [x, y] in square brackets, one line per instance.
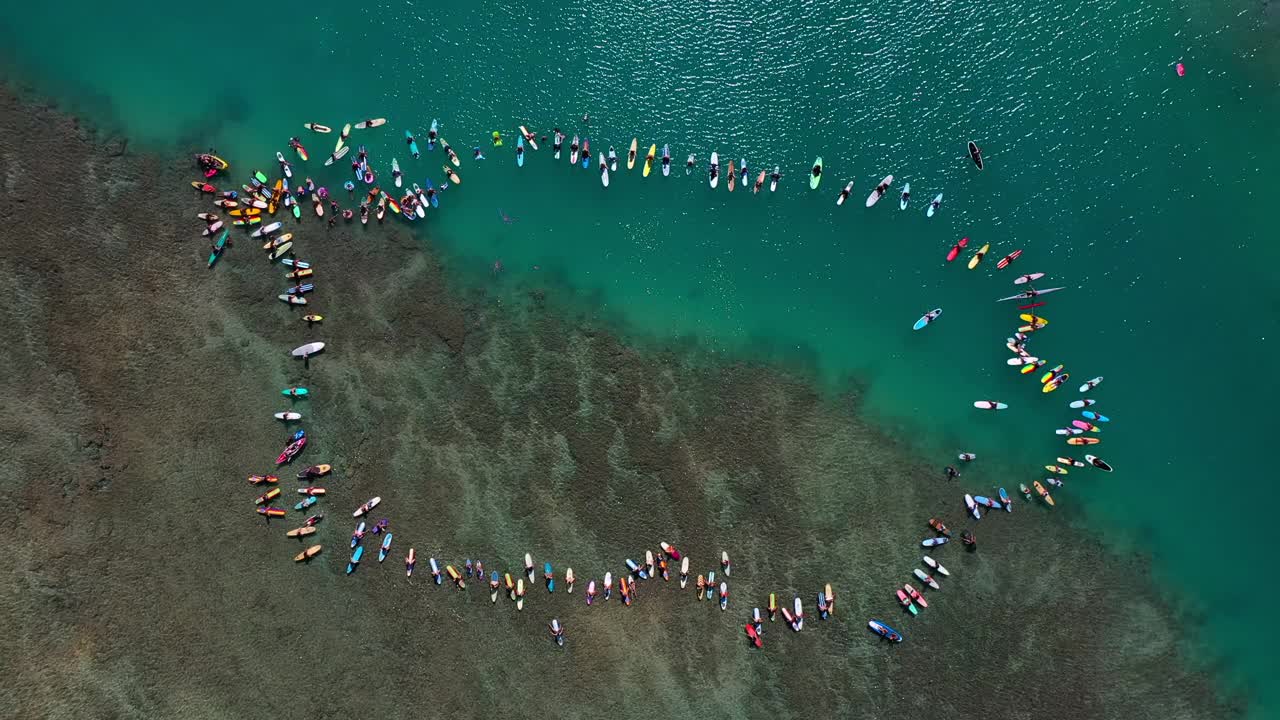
[1097, 462]
[815, 175]
[927, 318]
[520, 151]
[715, 167]
[307, 350]
[366, 124]
[666, 160]
[317, 127]
[733, 177]
[573, 151]
[975, 154]
[844, 193]
[973, 261]
[1004, 261]
[631, 154]
[529, 136]
[1091, 384]
[955, 249]
[933, 206]
[880, 190]
[338, 155]
[604, 171]
[773, 180]
[905, 197]
[1029, 277]
[648, 159]
[1030, 294]
[989, 405]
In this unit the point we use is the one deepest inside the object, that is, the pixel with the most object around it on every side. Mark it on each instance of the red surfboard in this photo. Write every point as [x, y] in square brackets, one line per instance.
[1032, 305]
[955, 250]
[1004, 262]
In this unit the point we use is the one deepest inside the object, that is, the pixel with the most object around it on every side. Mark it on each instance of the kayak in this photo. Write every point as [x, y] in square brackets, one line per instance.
[631, 155]
[933, 206]
[935, 566]
[307, 350]
[733, 177]
[989, 405]
[975, 153]
[1091, 384]
[905, 197]
[1091, 415]
[1024, 279]
[219, 247]
[972, 504]
[291, 450]
[413, 145]
[648, 160]
[977, 258]
[1004, 261]
[955, 249]
[884, 631]
[926, 579]
[1098, 463]
[520, 151]
[604, 171]
[355, 559]
[533, 143]
[815, 175]
[927, 318]
[371, 504]
[573, 151]
[666, 161]
[844, 194]
[317, 127]
[880, 190]
[1043, 493]
[1030, 294]
[933, 542]
[386, 548]
[715, 170]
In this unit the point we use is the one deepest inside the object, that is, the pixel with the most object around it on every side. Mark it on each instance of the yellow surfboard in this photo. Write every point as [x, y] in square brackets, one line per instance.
[973, 262]
[631, 155]
[1027, 317]
[648, 159]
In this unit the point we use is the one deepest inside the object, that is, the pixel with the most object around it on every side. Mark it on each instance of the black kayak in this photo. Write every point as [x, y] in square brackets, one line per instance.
[975, 152]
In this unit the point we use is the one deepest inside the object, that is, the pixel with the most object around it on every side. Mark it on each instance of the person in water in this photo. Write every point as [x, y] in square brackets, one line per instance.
[477, 154]
[952, 473]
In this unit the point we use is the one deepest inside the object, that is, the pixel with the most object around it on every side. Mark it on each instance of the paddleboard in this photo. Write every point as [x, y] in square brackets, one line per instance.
[973, 262]
[307, 350]
[927, 318]
[1004, 261]
[844, 193]
[880, 190]
[529, 136]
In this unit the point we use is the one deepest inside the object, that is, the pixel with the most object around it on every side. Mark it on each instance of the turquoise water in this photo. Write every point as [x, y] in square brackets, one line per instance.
[1144, 193]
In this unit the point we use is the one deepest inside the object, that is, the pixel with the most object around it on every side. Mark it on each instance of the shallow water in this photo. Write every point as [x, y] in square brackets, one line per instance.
[1096, 166]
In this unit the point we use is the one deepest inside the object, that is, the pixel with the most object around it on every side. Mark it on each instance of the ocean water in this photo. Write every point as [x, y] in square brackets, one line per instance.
[1143, 193]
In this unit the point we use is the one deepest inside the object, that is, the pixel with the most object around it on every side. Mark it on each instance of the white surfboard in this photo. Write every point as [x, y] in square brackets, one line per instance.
[288, 416]
[933, 205]
[1027, 278]
[880, 190]
[308, 349]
